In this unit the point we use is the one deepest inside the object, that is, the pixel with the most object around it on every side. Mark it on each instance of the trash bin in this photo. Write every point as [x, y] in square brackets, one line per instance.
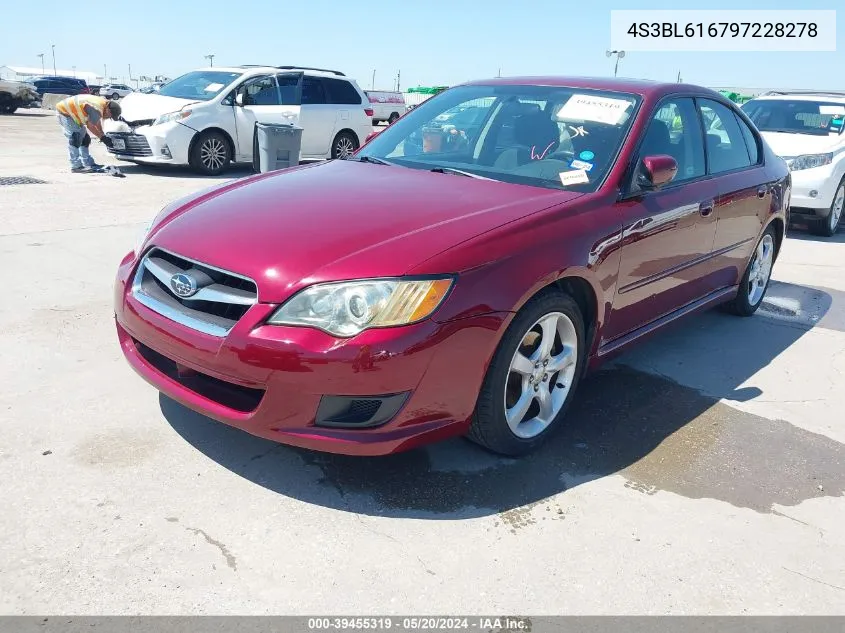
[275, 146]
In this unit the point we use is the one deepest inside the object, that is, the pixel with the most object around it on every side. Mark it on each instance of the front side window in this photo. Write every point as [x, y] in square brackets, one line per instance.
[674, 130]
[543, 136]
[199, 85]
[797, 116]
[726, 146]
[261, 91]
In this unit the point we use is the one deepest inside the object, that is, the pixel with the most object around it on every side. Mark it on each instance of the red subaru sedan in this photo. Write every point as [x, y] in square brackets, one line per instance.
[455, 280]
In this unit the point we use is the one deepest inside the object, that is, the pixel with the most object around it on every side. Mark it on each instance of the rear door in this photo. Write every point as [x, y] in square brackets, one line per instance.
[349, 106]
[317, 117]
[734, 162]
[667, 234]
[263, 99]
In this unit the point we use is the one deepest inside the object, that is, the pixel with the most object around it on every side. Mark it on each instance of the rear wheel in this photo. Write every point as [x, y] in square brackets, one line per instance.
[532, 378]
[344, 145]
[829, 225]
[393, 118]
[211, 154]
[756, 279]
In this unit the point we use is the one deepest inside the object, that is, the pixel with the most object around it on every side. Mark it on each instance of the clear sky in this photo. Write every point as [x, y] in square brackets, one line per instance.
[435, 42]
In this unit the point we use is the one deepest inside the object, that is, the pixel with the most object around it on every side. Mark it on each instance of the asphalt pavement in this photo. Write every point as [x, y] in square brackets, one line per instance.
[702, 472]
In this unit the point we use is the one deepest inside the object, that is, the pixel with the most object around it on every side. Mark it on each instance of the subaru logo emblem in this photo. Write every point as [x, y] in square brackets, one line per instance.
[183, 285]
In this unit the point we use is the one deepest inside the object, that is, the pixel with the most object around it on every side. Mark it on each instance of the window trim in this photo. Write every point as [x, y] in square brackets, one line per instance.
[320, 81]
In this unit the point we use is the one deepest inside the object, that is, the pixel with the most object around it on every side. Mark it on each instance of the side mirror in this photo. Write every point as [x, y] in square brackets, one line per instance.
[371, 136]
[239, 99]
[657, 171]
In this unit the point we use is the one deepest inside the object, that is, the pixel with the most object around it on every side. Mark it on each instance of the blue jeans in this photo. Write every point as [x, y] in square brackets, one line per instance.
[75, 134]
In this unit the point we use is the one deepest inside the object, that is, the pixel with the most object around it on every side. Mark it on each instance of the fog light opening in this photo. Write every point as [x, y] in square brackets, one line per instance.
[814, 193]
[165, 151]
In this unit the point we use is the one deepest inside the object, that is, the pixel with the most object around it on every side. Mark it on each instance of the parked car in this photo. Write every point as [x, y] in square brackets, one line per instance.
[807, 129]
[387, 106]
[60, 85]
[206, 118]
[17, 94]
[418, 291]
[115, 91]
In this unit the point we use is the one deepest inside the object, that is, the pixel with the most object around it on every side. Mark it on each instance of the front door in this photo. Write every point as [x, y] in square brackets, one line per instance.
[668, 233]
[264, 99]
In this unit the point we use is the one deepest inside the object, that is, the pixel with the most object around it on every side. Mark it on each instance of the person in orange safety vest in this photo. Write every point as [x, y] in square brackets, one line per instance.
[77, 116]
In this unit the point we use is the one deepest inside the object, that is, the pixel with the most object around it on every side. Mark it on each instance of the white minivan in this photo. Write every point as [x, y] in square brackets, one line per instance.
[206, 118]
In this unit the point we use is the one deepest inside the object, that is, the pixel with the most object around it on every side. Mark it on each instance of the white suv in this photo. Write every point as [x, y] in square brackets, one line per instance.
[115, 91]
[206, 118]
[807, 130]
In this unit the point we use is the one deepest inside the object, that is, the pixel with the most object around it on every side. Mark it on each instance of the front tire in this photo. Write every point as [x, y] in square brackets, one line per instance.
[828, 226]
[532, 378]
[114, 96]
[344, 145]
[211, 154]
[758, 274]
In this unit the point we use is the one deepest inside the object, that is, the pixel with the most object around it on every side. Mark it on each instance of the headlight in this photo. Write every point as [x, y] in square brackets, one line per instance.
[348, 308]
[809, 161]
[172, 116]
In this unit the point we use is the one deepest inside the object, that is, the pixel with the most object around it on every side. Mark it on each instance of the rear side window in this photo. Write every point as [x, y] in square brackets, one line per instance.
[341, 92]
[750, 141]
[725, 143]
[313, 92]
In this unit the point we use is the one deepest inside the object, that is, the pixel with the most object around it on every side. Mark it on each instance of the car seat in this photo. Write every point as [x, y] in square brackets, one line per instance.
[536, 136]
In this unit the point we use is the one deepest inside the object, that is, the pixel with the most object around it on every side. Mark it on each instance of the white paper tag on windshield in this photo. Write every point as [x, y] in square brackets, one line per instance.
[575, 177]
[213, 87]
[590, 108]
[832, 109]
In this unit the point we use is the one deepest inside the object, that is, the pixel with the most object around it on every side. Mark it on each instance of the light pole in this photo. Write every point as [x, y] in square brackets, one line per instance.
[41, 55]
[373, 85]
[210, 59]
[619, 55]
[74, 71]
[105, 75]
[53, 46]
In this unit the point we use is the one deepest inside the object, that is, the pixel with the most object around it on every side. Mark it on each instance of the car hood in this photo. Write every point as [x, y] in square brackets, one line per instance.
[791, 145]
[339, 220]
[137, 106]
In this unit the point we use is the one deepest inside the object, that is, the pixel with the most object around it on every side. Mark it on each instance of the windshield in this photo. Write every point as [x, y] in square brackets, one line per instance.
[199, 85]
[796, 116]
[544, 136]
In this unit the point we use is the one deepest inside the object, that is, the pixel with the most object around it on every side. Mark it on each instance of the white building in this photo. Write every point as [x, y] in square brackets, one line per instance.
[22, 73]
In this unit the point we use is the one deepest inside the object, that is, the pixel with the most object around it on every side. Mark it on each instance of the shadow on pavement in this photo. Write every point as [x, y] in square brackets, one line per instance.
[656, 433]
[237, 171]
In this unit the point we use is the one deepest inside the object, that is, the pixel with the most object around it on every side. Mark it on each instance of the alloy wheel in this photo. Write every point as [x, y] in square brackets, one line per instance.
[761, 269]
[540, 375]
[213, 154]
[344, 147]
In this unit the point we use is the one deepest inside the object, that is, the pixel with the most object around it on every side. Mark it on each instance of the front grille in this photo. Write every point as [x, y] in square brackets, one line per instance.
[244, 399]
[218, 299]
[136, 145]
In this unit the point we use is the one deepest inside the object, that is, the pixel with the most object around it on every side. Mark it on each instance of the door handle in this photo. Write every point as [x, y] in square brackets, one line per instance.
[706, 208]
[762, 190]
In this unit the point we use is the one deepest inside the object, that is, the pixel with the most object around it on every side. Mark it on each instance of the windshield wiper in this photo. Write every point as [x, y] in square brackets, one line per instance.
[370, 159]
[457, 172]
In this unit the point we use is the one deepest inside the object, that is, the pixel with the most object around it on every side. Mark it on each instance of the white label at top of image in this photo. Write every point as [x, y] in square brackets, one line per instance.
[723, 30]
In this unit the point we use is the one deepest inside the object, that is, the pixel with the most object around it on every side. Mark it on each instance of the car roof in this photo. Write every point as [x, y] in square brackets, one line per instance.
[642, 87]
